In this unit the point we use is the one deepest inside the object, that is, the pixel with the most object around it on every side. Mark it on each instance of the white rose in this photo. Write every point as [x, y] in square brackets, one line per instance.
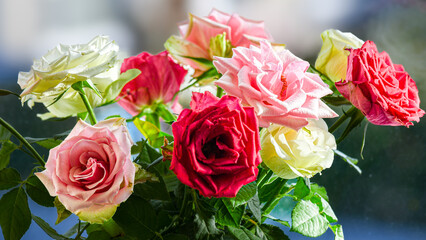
[291, 154]
[65, 65]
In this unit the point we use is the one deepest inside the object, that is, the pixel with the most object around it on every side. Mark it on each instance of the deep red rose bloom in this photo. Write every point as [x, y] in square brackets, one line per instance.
[383, 91]
[159, 81]
[216, 145]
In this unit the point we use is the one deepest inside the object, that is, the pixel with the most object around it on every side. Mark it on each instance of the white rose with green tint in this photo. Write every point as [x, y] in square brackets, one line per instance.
[95, 62]
[304, 153]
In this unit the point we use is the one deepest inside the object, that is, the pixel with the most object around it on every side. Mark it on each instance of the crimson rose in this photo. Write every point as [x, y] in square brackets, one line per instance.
[216, 145]
[383, 91]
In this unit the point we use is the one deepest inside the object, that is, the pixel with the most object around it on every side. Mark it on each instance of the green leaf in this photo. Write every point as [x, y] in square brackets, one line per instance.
[350, 160]
[285, 223]
[338, 232]
[301, 190]
[205, 227]
[63, 213]
[38, 192]
[4, 92]
[4, 134]
[152, 189]
[58, 97]
[307, 220]
[72, 231]
[164, 113]
[273, 232]
[173, 236]
[114, 89]
[254, 206]
[6, 149]
[9, 178]
[89, 84]
[226, 214]
[137, 218]
[272, 190]
[150, 132]
[324, 207]
[336, 100]
[315, 189]
[363, 141]
[356, 117]
[208, 76]
[244, 194]
[47, 228]
[15, 215]
[49, 143]
[242, 233]
[98, 235]
[83, 115]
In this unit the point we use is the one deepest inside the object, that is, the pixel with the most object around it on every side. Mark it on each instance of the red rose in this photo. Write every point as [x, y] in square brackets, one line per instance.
[383, 91]
[159, 81]
[216, 145]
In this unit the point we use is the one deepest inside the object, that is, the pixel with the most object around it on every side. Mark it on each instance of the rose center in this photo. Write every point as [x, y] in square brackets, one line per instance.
[94, 171]
[282, 94]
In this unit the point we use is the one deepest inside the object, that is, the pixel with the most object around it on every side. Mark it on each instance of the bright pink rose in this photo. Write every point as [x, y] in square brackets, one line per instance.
[276, 84]
[198, 31]
[383, 91]
[159, 81]
[91, 171]
[216, 145]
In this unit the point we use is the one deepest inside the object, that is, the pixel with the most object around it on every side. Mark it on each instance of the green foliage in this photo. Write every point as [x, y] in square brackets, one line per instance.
[6, 149]
[137, 218]
[338, 232]
[244, 194]
[63, 213]
[9, 178]
[38, 192]
[301, 190]
[271, 232]
[114, 89]
[350, 160]
[242, 233]
[15, 215]
[307, 220]
[226, 214]
[4, 92]
[47, 228]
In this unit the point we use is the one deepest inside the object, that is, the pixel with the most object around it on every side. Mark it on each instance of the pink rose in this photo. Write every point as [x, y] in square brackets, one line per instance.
[159, 81]
[276, 84]
[197, 33]
[91, 171]
[383, 91]
[216, 145]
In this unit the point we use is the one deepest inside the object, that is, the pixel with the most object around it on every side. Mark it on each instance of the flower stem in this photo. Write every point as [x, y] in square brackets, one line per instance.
[219, 92]
[89, 108]
[342, 119]
[80, 232]
[23, 141]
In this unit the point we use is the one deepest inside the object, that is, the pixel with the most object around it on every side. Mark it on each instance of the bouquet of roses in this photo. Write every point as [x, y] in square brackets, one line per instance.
[229, 158]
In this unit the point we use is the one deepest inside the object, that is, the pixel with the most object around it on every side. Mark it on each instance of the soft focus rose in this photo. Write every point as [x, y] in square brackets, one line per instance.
[304, 153]
[276, 84]
[383, 91]
[332, 59]
[216, 145]
[91, 171]
[197, 35]
[65, 65]
[159, 81]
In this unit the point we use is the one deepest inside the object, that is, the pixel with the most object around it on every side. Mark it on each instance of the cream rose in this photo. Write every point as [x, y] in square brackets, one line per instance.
[332, 59]
[290, 153]
[65, 65]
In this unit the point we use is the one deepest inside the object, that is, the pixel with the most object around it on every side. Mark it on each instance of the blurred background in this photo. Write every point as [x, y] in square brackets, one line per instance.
[387, 201]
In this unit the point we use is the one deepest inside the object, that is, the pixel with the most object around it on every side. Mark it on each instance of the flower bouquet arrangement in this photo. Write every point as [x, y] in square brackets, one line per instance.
[211, 169]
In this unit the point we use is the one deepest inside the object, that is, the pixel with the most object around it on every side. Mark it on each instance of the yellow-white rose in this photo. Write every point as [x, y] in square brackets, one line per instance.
[65, 65]
[332, 59]
[291, 154]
